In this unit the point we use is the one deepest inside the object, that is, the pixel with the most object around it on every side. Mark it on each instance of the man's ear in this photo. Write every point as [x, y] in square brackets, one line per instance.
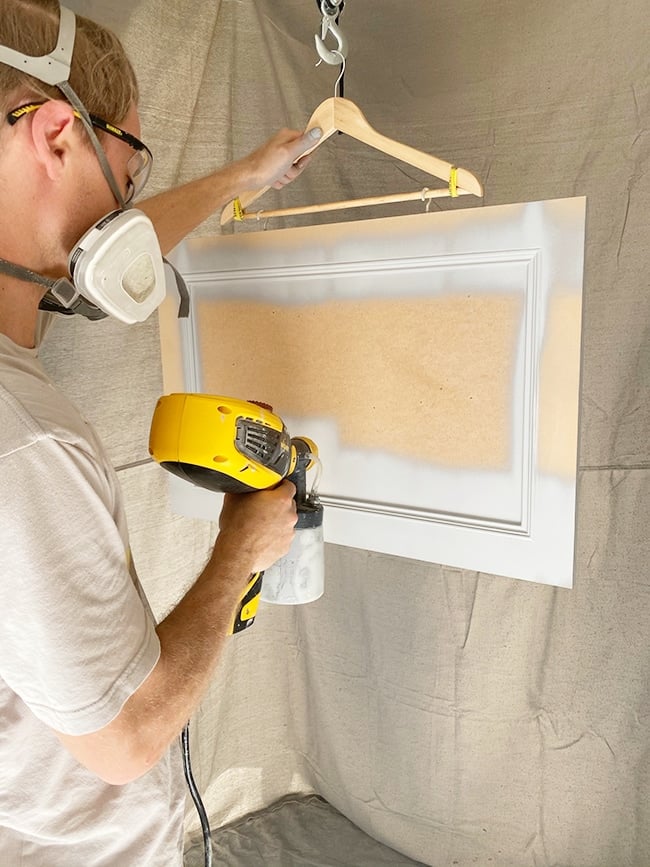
[53, 135]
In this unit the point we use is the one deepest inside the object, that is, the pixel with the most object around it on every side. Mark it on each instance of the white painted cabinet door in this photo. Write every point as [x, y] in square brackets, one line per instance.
[433, 358]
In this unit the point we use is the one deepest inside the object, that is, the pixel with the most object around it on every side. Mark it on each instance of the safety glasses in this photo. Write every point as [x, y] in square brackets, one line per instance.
[139, 165]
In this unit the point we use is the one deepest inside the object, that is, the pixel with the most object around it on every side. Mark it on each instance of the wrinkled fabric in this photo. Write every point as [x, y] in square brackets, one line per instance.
[499, 723]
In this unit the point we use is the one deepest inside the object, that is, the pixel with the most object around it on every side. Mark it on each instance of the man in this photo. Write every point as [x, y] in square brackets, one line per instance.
[93, 694]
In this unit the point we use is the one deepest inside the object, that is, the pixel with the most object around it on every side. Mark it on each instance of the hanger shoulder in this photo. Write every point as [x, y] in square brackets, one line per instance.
[324, 116]
[350, 120]
[426, 162]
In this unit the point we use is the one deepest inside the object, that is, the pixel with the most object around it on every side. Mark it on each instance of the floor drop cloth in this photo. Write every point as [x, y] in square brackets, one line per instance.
[295, 832]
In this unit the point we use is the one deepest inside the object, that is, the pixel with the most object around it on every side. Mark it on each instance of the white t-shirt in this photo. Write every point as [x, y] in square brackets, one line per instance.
[77, 638]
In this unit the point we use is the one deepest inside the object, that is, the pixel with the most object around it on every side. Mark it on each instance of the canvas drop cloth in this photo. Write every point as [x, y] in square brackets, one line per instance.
[454, 717]
[295, 832]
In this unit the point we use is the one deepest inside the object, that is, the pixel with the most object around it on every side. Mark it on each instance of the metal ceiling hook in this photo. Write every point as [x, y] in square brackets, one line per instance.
[332, 57]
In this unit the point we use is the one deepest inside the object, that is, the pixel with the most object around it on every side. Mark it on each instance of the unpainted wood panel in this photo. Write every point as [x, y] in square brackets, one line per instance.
[429, 378]
[559, 385]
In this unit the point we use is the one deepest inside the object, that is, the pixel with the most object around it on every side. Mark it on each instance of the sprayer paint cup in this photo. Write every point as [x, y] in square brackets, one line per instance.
[298, 577]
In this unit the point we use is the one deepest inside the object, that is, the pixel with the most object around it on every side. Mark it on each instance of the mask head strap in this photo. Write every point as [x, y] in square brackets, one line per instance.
[61, 297]
[50, 68]
[77, 104]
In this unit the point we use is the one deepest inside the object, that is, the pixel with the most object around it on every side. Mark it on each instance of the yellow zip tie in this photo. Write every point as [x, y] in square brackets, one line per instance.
[238, 211]
[453, 182]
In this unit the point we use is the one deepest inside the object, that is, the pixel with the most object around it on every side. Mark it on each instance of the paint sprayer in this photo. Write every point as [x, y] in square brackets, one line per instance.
[237, 446]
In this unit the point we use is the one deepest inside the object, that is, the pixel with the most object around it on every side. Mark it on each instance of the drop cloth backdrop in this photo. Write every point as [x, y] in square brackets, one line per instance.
[458, 718]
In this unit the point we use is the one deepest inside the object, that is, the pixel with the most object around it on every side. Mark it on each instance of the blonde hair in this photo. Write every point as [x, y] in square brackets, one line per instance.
[101, 73]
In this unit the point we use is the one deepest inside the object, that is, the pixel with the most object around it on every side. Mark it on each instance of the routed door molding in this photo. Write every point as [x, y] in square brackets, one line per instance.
[435, 360]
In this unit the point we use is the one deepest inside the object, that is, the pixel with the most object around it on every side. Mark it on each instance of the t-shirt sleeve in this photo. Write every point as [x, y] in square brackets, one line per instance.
[76, 639]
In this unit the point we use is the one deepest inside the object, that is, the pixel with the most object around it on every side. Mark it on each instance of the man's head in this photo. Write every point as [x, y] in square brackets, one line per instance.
[64, 81]
[101, 74]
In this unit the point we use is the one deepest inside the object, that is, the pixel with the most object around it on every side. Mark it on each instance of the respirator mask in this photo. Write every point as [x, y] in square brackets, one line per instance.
[117, 268]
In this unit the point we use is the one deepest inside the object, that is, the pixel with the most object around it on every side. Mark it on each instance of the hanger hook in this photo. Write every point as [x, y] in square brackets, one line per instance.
[329, 25]
[341, 73]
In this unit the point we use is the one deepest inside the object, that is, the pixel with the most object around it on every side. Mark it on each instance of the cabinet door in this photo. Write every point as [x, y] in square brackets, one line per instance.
[433, 358]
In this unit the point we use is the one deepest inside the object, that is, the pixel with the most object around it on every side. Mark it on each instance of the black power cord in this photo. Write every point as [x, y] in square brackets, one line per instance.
[194, 792]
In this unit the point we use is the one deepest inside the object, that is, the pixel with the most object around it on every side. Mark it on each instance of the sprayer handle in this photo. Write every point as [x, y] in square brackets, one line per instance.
[248, 604]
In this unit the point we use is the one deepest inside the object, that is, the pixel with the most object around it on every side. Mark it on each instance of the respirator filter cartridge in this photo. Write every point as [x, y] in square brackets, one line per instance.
[118, 266]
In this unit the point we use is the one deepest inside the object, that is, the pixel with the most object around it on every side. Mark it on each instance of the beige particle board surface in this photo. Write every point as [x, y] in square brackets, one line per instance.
[426, 378]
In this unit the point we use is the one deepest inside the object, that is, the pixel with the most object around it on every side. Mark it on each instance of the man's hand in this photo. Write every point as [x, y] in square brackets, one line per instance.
[180, 210]
[259, 527]
[276, 163]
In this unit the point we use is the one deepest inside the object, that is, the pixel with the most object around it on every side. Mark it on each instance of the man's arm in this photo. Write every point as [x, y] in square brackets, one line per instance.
[176, 212]
[256, 530]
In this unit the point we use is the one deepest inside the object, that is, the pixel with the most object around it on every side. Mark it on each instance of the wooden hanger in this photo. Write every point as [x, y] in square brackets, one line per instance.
[337, 114]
